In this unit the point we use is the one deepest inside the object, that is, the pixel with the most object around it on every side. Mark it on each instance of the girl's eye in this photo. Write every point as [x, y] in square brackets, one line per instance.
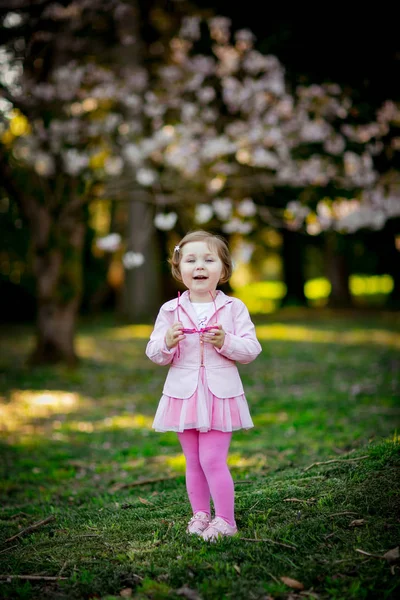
[210, 260]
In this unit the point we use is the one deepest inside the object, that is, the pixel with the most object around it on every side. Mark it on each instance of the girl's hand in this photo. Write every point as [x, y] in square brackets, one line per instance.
[215, 337]
[174, 335]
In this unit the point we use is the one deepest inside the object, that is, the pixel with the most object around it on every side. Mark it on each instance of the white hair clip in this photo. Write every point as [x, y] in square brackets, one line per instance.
[177, 248]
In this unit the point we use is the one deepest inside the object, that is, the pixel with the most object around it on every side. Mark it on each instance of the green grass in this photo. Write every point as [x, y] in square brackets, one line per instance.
[325, 388]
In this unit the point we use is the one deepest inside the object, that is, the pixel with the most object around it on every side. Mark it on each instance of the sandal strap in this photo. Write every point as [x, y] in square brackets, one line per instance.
[219, 526]
[201, 518]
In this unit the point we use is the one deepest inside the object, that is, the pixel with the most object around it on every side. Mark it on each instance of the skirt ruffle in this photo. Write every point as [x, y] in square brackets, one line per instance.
[202, 411]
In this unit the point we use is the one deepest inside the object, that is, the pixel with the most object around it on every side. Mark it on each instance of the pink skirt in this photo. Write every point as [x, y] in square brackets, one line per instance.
[202, 411]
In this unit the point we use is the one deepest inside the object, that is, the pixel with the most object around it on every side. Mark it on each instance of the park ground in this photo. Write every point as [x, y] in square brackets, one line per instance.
[93, 502]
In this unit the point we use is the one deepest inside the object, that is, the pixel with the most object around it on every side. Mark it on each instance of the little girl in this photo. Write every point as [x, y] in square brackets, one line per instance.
[201, 334]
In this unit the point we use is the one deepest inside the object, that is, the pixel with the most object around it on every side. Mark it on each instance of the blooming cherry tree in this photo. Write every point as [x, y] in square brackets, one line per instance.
[207, 132]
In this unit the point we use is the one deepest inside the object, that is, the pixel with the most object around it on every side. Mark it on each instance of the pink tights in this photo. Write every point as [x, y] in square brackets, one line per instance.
[207, 472]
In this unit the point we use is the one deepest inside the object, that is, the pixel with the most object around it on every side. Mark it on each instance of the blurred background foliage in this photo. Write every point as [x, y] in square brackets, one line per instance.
[276, 265]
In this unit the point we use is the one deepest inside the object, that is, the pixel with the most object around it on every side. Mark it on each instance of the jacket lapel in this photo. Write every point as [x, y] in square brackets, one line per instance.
[221, 300]
[186, 305]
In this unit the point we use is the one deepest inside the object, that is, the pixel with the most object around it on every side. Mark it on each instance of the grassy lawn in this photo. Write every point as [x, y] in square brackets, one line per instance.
[77, 447]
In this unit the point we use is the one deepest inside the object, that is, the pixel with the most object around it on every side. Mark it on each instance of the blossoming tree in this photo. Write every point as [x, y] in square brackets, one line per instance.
[214, 135]
[230, 136]
[65, 94]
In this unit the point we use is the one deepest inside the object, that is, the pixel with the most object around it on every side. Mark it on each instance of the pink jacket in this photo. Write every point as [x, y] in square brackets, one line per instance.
[223, 377]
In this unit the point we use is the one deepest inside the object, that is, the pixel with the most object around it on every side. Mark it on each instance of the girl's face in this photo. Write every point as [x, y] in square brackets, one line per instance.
[201, 269]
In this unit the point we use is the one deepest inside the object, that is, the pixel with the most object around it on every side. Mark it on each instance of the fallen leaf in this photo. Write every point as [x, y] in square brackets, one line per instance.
[144, 501]
[292, 500]
[392, 556]
[237, 568]
[357, 523]
[293, 583]
[188, 593]
[306, 500]
[126, 592]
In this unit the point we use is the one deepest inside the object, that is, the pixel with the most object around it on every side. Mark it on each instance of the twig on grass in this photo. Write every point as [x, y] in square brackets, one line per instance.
[273, 577]
[255, 504]
[32, 577]
[333, 460]
[63, 568]
[31, 528]
[368, 554]
[9, 548]
[268, 540]
[345, 512]
[19, 514]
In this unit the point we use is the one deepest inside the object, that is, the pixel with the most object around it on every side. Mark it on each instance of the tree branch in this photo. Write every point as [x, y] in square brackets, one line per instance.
[31, 528]
[340, 460]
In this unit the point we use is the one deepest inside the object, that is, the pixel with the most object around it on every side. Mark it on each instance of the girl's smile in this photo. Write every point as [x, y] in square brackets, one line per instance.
[201, 270]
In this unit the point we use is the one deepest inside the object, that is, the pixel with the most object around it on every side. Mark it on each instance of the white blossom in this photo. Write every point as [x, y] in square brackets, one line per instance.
[188, 111]
[133, 154]
[190, 28]
[254, 62]
[284, 107]
[203, 65]
[146, 177]
[313, 227]
[165, 221]
[314, 131]
[244, 251]
[12, 19]
[217, 147]
[236, 225]
[264, 158]
[220, 29]
[324, 214]
[113, 165]
[245, 36]
[170, 73]
[223, 208]
[131, 260]
[74, 161]
[209, 115]
[44, 91]
[109, 243]
[364, 217]
[247, 208]
[335, 145]
[206, 94]
[203, 213]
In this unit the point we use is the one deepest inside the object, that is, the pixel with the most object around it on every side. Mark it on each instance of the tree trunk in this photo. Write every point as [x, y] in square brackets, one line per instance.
[337, 270]
[57, 265]
[142, 291]
[293, 268]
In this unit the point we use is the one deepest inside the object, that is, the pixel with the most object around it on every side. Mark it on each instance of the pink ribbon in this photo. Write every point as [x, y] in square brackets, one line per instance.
[194, 329]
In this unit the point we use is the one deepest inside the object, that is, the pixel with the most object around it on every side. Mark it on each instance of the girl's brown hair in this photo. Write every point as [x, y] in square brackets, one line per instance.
[214, 242]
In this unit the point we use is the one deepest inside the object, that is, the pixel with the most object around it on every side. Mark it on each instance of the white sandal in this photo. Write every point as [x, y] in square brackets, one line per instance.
[218, 528]
[198, 523]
